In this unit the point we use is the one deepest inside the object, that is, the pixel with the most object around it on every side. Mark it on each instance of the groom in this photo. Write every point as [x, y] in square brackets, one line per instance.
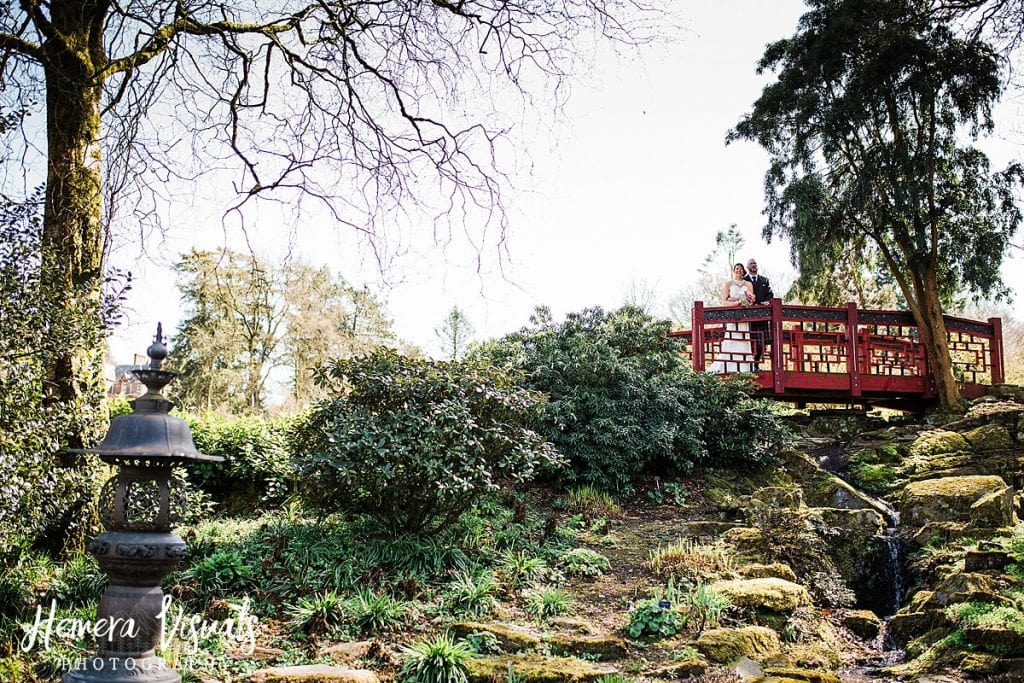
[762, 295]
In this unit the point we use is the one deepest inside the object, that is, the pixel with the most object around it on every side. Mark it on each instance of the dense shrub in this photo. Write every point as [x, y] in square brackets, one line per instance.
[256, 470]
[621, 403]
[415, 442]
[44, 501]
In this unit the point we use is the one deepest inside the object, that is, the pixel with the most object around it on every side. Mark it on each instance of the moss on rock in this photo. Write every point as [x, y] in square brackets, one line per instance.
[945, 499]
[600, 647]
[989, 437]
[938, 441]
[770, 594]
[803, 675]
[535, 669]
[729, 644]
[776, 570]
[510, 638]
[690, 667]
[864, 623]
[994, 509]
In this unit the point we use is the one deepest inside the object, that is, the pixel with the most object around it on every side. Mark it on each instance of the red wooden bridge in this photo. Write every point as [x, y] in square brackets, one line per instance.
[840, 355]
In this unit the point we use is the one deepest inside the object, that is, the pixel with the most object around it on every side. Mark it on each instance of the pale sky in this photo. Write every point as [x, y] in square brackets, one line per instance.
[630, 185]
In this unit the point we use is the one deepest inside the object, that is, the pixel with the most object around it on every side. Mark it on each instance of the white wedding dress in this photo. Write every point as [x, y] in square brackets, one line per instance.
[735, 353]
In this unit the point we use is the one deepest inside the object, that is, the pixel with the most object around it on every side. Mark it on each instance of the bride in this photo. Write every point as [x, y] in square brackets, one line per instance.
[735, 353]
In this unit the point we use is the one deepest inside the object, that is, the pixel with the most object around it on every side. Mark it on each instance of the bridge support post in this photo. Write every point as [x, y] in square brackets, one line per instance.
[852, 351]
[779, 384]
[697, 338]
[995, 349]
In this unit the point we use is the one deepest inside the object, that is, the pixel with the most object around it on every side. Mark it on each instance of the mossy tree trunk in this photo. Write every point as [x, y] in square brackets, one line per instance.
[73, 235]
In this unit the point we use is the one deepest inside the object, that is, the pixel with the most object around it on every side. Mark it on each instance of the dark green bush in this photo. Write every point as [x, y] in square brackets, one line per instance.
[256, 470]
[45, 502]
[414, 442]
[621, 403]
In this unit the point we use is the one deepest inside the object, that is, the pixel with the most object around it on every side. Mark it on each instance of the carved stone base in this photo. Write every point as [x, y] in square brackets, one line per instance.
[122, 670]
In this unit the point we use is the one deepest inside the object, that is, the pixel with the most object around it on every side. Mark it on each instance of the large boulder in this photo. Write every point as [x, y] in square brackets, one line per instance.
[726, 645]
[989, 437]
[961, 587]
[767, 595]
[938, 441]
[846, 522]
[994, 509]
[948, 499]
[863, 623]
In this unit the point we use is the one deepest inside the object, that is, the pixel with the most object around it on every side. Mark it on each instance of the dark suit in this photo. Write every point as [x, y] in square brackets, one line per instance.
[762, 295]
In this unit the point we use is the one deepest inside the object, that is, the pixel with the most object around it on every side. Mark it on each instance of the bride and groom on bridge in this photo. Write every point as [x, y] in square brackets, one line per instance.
[743, 343]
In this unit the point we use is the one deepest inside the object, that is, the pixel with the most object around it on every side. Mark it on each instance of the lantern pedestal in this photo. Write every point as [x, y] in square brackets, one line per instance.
[138, 506]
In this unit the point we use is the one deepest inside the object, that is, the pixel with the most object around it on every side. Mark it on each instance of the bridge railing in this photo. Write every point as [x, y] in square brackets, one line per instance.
[854, 351]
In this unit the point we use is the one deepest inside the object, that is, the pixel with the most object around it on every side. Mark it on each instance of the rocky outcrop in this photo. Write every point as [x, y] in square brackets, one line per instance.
[729, 644]
[767, 595]
[948, 499]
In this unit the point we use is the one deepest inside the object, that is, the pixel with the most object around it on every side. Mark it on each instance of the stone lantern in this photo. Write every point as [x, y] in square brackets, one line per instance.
[138, 506]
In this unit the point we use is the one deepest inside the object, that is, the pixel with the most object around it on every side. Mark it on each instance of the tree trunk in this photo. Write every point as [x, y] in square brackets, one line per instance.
[72, 240]
[932, 328]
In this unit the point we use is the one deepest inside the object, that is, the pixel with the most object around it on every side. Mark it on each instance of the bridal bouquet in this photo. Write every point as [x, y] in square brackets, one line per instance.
[748, 298]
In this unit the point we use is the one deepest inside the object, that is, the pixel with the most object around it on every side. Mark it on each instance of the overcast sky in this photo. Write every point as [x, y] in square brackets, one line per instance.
[629, 186]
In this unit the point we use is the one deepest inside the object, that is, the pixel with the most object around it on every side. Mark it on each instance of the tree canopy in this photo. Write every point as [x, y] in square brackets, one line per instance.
[865, 125]
[370, 109]
[247, 317]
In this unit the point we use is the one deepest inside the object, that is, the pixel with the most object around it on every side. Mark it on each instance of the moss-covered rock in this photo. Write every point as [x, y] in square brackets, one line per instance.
[989, 437]
[878, 479]
[599, 647]
[791, 497]
[835, 521]
[346, 653]
[994, 509]
[938, 441]
[311, 673]
[776, 570]
[535, 669]
[986, 560]
[995, 638]
[938, 533]
[768, 594]
[804, 675]
[729, 644]
[864, 623]
[978, 664]
[905, 625]
[510, 638]
[945, 499]
[958, 588]
[690, 667]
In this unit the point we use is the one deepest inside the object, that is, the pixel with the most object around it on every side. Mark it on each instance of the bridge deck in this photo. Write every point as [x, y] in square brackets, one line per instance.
[840, 355]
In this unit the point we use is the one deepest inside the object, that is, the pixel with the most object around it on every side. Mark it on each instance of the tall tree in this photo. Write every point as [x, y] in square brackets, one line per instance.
[248, 317]
[864, 126]
[363, 105]
[230, 342]
[454, 333]
[327, 319]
